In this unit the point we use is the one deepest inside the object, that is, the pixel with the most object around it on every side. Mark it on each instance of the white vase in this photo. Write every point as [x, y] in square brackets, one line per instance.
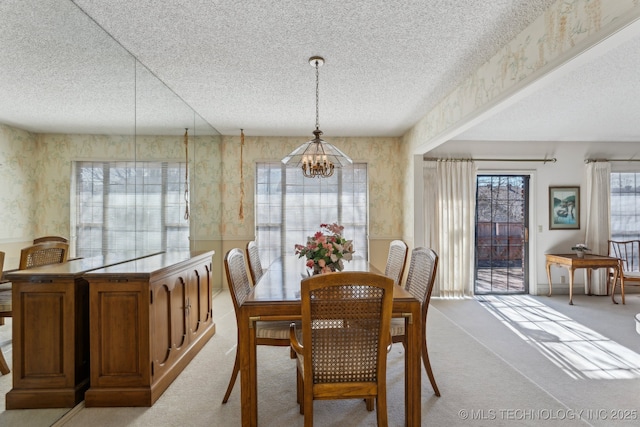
[580, 254]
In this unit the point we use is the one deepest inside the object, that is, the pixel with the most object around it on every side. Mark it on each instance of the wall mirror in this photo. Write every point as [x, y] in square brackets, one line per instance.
[140, 119]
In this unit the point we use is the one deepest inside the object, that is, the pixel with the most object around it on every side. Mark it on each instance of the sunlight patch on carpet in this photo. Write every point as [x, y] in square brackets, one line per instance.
[579, 351]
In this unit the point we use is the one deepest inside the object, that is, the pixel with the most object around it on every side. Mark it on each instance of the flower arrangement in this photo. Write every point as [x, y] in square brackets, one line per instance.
[580, 247]
[326, 249]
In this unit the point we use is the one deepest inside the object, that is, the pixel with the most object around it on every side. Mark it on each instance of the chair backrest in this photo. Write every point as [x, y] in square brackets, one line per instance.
[50, 239]
[347, 317]
[43, 254]
[627, 251]
[1, 263]
[422, 275]
[237, 277]
[255, 266]
[396, 260]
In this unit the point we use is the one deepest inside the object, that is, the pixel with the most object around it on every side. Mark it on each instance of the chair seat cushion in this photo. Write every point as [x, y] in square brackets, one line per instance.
[278, 330]
[397, 326]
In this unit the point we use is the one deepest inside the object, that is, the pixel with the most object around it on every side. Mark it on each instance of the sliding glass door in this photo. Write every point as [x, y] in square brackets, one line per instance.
[502, 222]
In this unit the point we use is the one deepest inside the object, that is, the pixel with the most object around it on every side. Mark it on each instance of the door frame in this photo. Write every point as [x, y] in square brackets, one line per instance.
[534, 226]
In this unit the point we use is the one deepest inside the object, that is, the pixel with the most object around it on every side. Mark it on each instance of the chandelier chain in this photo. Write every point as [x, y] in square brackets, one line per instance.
[317, 158]
[317, 95]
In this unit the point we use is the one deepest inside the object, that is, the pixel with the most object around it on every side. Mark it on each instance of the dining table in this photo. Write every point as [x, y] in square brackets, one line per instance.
[276, 296]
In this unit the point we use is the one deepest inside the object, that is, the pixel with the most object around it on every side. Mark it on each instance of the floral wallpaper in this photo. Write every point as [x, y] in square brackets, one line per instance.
[214, 175]
[382, 155]
[36, 171]
[565, 29]
[18, 152]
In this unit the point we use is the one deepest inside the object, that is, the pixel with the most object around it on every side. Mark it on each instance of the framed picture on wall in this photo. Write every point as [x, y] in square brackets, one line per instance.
[564, 208]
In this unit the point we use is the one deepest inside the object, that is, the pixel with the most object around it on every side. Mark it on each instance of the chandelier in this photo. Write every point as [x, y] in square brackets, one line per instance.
[317, 158]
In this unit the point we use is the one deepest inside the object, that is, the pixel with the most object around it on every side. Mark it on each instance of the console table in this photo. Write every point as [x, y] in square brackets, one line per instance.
[148, 319]
[51, 332]
[572, 262]
[113, 331]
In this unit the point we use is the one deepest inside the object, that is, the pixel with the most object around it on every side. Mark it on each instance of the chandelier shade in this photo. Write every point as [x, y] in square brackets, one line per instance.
[317, 158]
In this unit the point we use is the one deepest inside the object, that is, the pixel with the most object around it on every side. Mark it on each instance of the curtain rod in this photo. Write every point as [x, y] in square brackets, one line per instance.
[551, 160]
[610, 160]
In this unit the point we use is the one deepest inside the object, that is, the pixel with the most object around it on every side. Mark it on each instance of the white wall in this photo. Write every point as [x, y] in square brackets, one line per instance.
[568, 170]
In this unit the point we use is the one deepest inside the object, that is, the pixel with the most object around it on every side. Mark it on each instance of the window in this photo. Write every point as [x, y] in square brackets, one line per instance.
[127, 206]
[625, 205]
[290, 207]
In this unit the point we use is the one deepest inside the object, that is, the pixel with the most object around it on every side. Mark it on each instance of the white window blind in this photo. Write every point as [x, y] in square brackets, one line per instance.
[625, 205]
[290, 207]
[130, 206]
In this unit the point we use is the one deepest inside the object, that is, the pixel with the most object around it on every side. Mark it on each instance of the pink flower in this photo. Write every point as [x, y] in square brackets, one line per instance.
[326, 250]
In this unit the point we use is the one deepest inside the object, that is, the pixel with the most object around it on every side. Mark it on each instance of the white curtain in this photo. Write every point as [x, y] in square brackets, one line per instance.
[598, 228]
[449, 206]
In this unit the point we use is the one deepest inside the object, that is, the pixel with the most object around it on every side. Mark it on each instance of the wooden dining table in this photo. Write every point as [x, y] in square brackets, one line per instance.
[276, 296]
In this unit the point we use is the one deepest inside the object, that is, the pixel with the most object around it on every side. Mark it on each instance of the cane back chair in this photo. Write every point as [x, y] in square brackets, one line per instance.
[420, 279]
[255, 266]
[275, 333]
[396, 260]
[6, 310]
[345, 340]
[43, 254]
[50, 239]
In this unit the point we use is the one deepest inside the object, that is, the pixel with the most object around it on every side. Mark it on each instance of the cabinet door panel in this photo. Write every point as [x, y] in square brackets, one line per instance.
[204, 293]
[119, 323]
[160, 320]
[177, 318]
[119, 314]
[44, 335]
[194, 304]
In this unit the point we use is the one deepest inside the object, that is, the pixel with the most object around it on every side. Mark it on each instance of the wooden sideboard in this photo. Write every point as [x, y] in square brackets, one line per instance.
[51, 333]
[148, 318]
[114, 330]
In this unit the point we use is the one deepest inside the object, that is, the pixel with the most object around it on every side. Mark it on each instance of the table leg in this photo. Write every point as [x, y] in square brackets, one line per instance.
[616, 272]
[549, 277]
[589, 270]
[571, 270]
[622, 288]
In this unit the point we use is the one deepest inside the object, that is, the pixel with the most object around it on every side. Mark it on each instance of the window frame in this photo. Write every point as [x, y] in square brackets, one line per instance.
[143, 212]
[280, 179]
[627, 232]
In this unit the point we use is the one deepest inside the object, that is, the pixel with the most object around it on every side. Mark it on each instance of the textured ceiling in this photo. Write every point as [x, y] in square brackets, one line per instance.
[243, 64]
[597, 99]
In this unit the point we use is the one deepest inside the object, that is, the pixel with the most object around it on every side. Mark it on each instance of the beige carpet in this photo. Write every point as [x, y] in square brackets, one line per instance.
[31, 417]
[489, 371]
